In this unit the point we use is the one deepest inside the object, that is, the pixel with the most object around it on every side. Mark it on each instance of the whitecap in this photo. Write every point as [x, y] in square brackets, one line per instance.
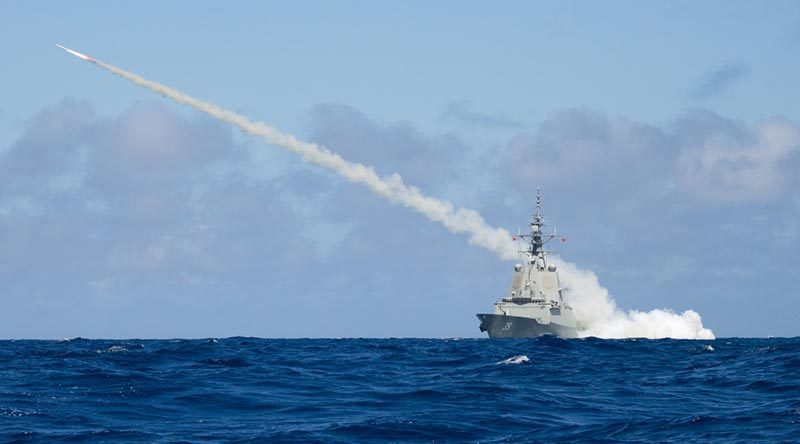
[519, 359]
[113, 349]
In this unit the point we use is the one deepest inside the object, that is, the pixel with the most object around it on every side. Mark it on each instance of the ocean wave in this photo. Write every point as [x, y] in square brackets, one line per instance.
[519, 359]
[351, 390]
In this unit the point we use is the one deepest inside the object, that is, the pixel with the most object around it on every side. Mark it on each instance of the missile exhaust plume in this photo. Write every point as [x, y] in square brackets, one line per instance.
[77, 54]
[596, 311]
[392, 187]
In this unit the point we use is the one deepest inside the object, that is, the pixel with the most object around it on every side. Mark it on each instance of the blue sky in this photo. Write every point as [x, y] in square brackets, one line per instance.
[664, 137]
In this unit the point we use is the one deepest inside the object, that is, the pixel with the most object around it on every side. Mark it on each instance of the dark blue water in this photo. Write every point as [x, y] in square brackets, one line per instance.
[407, 390]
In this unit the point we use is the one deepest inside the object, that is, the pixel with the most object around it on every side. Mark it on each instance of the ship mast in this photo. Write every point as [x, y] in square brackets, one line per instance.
[537, 239]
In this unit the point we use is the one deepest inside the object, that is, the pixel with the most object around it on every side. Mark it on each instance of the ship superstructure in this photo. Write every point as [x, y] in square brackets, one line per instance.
[534, 304]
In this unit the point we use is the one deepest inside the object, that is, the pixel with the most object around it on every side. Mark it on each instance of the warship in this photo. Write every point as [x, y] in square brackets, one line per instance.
[534, 304]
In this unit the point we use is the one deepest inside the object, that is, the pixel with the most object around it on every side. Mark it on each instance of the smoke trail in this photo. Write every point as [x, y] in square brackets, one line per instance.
[596, 311]
[392, 188]
[598, 315]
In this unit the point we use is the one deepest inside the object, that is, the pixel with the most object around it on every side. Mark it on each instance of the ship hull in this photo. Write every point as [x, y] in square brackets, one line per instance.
[502, 326]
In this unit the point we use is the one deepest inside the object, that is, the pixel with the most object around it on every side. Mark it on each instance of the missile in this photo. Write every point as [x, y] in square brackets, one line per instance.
[76, 54]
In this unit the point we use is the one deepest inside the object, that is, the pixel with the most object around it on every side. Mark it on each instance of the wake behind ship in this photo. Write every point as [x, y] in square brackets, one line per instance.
[534, 305]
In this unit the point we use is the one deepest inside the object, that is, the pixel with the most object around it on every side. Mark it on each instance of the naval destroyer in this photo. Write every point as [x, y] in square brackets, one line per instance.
[534, 305]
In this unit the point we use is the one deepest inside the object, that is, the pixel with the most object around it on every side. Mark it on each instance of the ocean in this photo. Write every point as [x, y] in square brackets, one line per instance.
[400, 390]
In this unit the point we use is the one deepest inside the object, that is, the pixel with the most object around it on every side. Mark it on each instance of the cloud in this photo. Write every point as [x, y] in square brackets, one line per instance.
[462, 112]
[48, 147]
[151, 191]
[423, 160]
[156, 216]
[717, 80]
[738, 163]
[701, 153]
[571, 143]
[149, 143]
[169, 217]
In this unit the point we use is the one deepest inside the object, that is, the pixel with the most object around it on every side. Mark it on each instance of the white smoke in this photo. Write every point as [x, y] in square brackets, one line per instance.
[392, 188]
[595, 310]
[598, 315]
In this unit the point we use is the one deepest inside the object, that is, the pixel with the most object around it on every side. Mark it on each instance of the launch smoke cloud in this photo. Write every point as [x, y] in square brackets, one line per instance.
[598, 315]
[596, 312]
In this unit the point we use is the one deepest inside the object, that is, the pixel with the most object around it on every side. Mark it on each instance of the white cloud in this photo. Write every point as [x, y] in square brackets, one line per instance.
[740, 168]
[711, 158]
[191, 228]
